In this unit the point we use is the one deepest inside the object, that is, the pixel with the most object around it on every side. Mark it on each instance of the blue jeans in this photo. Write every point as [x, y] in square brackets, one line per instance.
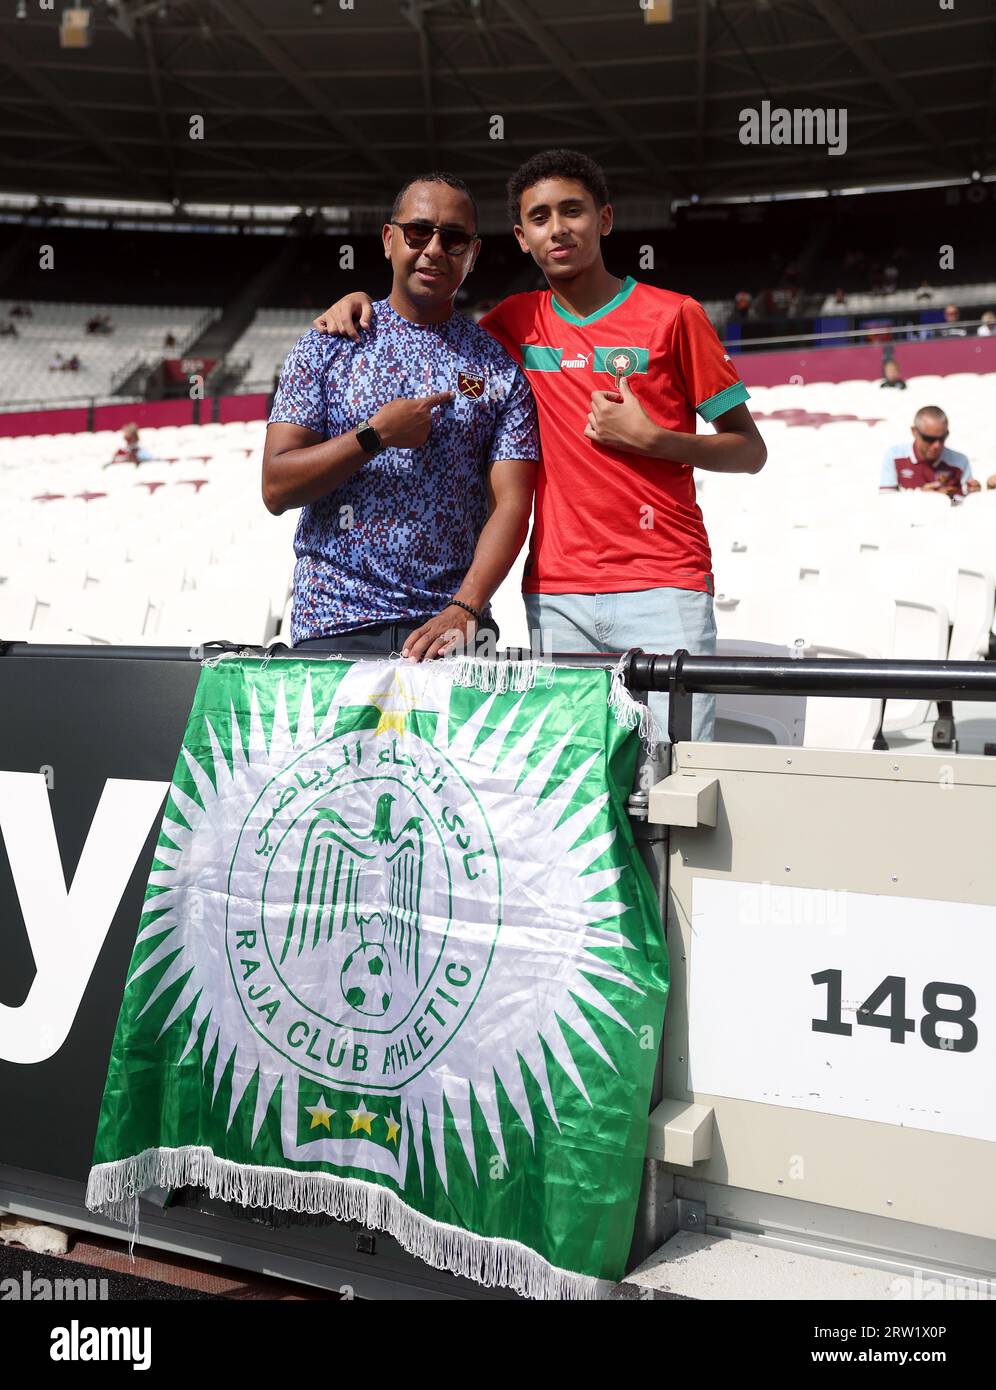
[658, 620]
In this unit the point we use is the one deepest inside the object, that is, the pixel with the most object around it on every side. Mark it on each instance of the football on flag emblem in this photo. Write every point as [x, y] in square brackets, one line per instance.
[471, 385]
[622, 361]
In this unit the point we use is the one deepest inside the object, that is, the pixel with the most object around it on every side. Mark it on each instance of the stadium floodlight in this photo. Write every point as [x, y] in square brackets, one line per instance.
[75, 28]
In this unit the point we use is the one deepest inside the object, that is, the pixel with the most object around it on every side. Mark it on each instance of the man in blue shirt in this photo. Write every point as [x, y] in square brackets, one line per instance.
[412, 454]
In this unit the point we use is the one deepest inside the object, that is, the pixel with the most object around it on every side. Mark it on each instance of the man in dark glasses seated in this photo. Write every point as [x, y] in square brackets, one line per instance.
[411, 452]
[927, 462]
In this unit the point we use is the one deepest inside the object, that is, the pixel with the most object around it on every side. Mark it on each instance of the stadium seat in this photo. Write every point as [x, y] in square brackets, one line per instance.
[17, 612]
[792, 720]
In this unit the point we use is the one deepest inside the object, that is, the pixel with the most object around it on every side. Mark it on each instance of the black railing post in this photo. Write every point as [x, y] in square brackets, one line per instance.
[679, 703]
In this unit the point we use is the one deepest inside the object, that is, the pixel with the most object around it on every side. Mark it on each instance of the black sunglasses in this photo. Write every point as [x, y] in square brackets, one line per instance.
[933, 438]
[418, 235]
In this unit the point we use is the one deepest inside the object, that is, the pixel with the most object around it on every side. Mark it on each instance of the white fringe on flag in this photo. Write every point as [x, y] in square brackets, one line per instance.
[492, 1261]
[494, 674]
[631, 713]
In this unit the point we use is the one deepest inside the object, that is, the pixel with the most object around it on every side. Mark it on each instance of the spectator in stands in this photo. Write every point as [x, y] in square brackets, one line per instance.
[21, 311]
[741, 304]
[991, 482]
[72, 364]
[169, 342]
[891, 375]
[8, 330]
[988, 324]
[437, 524]
[890, 278]
[835, 303]
[130, 449]
[952, 324]
[57, 362]
[99, 323]
[924, 294]
[781, 300]
[927, 463]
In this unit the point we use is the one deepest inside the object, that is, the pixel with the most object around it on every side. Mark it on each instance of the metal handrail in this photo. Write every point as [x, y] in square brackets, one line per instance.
[929, 331]
[649, 671]
[816, 677]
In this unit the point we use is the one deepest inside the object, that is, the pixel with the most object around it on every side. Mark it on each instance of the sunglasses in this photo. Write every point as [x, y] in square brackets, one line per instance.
[933, 438]
[418, 235]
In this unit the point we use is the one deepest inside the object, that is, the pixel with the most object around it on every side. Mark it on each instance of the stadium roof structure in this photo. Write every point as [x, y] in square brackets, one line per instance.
[306, 103]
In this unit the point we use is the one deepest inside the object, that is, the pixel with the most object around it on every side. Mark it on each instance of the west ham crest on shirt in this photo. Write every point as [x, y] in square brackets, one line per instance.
[470, 384]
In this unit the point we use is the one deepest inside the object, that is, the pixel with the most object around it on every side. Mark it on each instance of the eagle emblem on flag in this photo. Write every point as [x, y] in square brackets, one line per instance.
[339, 877]
[470, 384]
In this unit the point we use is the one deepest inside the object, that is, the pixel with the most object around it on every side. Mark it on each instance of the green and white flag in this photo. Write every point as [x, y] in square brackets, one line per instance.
[400, 962]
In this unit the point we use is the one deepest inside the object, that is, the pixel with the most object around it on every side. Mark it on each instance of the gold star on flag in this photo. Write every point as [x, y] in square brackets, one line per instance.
[392, 1128]
[320, 1114]
[361, 1118]
[393, 707]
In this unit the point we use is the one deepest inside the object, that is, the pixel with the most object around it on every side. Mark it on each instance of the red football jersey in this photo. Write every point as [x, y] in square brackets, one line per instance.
[605, 520]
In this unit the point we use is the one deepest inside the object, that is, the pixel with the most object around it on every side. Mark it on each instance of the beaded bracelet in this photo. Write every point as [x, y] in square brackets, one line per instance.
[473, 611]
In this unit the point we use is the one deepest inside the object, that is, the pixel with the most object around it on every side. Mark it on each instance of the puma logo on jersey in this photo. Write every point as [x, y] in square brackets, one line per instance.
[576, 361]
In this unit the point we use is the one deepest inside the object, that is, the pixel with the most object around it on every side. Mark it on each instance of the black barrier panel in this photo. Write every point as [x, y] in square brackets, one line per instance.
[83, 721]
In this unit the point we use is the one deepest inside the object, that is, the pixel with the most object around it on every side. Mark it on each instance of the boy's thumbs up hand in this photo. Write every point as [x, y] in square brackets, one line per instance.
[619, 421]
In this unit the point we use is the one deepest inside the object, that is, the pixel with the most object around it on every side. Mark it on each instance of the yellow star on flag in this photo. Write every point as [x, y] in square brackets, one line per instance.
[392, 1128]
[393, 707]
[320, 1114]
[361, 1118]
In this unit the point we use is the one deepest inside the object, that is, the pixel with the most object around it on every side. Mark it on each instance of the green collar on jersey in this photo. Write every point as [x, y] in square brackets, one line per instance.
[628, 286]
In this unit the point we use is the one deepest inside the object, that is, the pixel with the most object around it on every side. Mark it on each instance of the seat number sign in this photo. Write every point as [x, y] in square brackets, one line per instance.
[858, 1004]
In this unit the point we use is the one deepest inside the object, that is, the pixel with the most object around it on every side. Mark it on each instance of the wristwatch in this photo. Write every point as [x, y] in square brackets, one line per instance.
[368, 438]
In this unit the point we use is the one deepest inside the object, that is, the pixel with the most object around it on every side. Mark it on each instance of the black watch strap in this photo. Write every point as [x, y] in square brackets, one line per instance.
[368, 438]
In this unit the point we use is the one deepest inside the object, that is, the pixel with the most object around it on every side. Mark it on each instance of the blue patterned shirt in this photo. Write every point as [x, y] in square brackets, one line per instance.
[395, 540]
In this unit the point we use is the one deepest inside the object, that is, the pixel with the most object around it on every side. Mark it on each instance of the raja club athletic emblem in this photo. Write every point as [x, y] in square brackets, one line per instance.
[470, 384]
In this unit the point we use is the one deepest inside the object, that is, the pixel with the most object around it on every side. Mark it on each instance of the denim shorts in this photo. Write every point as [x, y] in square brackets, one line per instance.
[658, 620]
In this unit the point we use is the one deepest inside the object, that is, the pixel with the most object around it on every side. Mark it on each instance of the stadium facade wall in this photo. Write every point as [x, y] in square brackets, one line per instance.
[254, 407]
[865, 363]
[44, 421]
[145, 414]
[148, 414]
